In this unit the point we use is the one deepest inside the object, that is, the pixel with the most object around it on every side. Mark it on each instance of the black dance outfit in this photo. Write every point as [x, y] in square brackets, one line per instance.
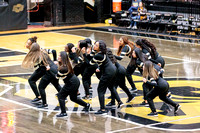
[160, 88]
[108, 72]
[70, 88]
[126, 50]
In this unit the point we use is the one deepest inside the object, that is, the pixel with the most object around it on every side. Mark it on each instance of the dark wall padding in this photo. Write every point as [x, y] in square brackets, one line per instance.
[14, 15]
[90, 14]
[74, 11]
[68, 12]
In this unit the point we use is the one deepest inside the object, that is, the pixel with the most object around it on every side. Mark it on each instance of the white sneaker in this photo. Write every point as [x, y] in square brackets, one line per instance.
[134, 28]
[129, 27]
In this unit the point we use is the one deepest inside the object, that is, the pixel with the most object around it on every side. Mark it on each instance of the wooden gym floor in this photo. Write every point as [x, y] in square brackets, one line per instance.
[17, 114]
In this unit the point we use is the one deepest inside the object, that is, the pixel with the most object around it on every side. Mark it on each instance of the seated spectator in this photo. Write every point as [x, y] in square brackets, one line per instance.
[134, 8]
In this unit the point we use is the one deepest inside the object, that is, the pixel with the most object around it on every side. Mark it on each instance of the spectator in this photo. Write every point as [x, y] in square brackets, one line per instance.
[136, 8]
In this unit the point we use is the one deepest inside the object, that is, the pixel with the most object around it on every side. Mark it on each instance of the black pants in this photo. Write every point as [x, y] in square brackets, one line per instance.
[86, 77]
[70, 88]
[120, 81]
[45, 80]
[106, 80]
[160, 91]
[34, 78]
[146, 89]
[79, 69]
[161, 61]
[129, 71]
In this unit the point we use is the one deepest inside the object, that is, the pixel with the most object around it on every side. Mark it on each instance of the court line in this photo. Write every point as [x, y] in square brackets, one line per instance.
[150, 125]
[5, 52]
[15, 74]
[14, 110]
[17, 64]
[180, 59]
[17, 50]
[6, 90]
[21, 74]
[171, 64]
[39, 109]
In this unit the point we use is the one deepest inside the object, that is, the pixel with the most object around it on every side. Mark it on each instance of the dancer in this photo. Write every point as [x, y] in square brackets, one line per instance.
[108, 71]
[38, 58]
[160, 88]
[39, 70]
[81, 64]
[150, 50]
[138, 59]
[125, 49]
[71, 85]
[120, 79]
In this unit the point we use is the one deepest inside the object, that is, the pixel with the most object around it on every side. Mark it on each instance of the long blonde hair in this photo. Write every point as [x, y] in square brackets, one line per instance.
[149, 70]
[35, 55]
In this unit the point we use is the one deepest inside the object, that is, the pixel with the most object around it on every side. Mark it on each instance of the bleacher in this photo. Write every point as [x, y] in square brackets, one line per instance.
[158, 22]
[166, 17]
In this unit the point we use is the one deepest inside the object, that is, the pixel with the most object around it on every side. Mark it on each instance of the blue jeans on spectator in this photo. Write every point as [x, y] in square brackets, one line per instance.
[133, 22]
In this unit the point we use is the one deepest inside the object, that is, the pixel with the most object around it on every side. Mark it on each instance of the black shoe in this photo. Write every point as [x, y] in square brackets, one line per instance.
[133, 90]
[120, 105]
[57, 108]
[177, 108]
[87, 108]
[36, 100]
[144, 103]
[100, 112]
[62, 115]
[110, 104]
[153, 114]
[44, 106]
[130, 99]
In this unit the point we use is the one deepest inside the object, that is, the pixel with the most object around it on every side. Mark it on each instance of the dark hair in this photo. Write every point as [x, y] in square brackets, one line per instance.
[88, 41]
[111, 56]
[126, 41]
[70, 46]
[148, 46]
[33, 39]
[65, 63]
[139, 55]
[83, 43]
[102, 46]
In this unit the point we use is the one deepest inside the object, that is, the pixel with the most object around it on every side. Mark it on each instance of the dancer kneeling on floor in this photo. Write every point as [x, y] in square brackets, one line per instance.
[71, 86]
[161, 87]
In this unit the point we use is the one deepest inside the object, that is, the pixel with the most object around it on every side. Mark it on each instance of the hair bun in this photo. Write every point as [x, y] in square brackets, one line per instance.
[35, 38]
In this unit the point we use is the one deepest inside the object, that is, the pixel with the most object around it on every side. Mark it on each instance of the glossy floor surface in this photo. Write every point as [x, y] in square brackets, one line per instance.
[18, 114]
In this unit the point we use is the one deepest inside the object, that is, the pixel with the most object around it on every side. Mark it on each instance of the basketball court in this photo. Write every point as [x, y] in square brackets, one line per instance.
[18, 114]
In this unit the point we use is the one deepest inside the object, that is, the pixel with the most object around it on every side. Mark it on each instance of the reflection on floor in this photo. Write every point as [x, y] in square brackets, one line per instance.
[185, 92]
